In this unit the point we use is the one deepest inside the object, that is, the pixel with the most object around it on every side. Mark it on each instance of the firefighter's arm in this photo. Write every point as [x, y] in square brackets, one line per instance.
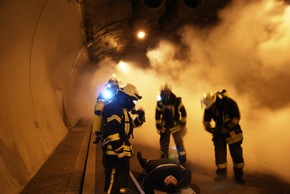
[183, 117]
[183, 113]
[208, 128]
[159, 127]
[158, 119]
[207, 118]
[230, 123]
[98, 137]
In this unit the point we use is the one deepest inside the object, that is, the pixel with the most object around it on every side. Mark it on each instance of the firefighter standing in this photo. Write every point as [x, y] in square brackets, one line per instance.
[225, 113]
[117, 128]
[103, 98]
[170, 116]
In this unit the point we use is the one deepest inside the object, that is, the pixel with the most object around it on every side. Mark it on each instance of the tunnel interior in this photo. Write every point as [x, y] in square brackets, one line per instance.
[56, 56]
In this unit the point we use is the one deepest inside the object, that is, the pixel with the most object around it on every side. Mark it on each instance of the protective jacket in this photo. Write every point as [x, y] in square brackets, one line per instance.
[117, 129]
[170, 114]
[225, 113]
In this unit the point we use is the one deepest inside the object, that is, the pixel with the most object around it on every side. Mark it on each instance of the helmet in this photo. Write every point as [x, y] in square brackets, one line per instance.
[208, 99]
[113, 82]
[112, 87]
[131, 91]
[165, 86]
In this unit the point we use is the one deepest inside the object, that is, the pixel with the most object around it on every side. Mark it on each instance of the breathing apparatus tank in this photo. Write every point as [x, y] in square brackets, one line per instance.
[98, 116]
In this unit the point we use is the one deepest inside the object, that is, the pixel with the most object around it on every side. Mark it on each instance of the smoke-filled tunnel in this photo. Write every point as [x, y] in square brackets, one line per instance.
[56, 55]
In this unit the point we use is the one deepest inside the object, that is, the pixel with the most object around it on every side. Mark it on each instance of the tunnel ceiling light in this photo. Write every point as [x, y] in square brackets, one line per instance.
[123, 66]
[141, 34]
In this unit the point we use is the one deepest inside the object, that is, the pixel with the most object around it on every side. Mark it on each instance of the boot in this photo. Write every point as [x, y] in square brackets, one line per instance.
[221, 174]
[239, 172]
[163, 155]
[182, 160]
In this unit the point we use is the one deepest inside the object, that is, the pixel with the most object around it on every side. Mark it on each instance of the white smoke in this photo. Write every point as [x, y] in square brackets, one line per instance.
[247, 54]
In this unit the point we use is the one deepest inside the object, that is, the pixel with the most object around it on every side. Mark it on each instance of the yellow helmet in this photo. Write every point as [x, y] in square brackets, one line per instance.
[208, 99]
[165, 86]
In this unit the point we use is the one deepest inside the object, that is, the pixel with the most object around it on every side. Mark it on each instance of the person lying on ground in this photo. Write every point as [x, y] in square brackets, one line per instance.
[163, 174]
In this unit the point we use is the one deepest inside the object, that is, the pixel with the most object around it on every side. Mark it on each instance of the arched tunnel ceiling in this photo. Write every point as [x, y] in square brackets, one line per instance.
[110, 25]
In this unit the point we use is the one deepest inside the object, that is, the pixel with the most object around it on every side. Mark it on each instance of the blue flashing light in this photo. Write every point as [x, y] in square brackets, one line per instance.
[108, 95]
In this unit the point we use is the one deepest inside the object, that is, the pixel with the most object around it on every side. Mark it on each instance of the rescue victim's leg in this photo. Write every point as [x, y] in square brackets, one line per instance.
[236, 151]
[164, 143]
[142, 161]
[178, 139]
[220, 158]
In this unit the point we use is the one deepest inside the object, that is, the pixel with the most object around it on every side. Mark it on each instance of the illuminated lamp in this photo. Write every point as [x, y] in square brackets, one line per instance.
[141, 34]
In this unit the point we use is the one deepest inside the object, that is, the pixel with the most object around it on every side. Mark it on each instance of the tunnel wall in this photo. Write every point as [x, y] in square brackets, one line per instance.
[40, 41]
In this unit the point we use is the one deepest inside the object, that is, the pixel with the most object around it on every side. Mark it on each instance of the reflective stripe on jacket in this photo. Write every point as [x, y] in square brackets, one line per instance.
[117, 127]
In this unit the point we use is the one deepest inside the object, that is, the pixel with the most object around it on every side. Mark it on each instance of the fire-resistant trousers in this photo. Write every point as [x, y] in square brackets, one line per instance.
[117, 174]
[178, 140]
[236, 152]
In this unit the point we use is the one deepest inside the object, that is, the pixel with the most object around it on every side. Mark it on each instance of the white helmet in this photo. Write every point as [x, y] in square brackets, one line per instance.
[113, 82]
[165, 86]
[208, 99]
[130, 90]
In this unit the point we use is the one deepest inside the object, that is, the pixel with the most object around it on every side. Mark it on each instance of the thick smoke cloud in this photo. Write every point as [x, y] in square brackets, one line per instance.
[247, 54]
[249, 49]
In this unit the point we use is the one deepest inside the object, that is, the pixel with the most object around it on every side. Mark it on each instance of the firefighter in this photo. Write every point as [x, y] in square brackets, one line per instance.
[170, 118]
[103, 98]
[163, 174]
[118, 124]
[226, 130]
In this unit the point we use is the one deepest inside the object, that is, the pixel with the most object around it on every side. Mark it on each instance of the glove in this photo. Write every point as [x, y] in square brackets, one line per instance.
[211, 129]
[182, 123]
[98, 137]
[141, 115]
[224, 131]
[160, 129]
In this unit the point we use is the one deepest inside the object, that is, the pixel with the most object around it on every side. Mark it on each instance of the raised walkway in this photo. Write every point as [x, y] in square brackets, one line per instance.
[64, 170]
[74, 167]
